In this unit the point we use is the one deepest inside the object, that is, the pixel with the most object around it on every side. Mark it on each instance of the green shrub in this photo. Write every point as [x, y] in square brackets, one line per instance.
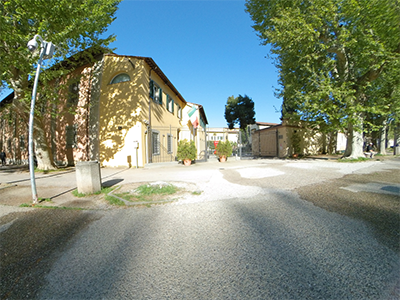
[224, 149]
[186, 150]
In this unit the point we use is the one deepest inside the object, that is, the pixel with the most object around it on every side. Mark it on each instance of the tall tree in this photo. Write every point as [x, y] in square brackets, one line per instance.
[72, 25]
[240, 111]
[328, 53]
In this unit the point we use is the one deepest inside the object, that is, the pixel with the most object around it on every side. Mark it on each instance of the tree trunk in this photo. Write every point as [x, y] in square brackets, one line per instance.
[43, 152]
[382, 139]
[396, 141]
[355, 141]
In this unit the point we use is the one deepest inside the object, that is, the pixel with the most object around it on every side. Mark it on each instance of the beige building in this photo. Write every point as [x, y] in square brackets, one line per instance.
[287, 139]
[117, 109]
[223, 134]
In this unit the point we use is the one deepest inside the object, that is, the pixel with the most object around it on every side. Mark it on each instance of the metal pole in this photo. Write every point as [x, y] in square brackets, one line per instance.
[240, 143]
[31, 117]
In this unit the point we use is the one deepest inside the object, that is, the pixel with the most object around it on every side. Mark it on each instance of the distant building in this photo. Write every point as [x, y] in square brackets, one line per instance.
[223, 134]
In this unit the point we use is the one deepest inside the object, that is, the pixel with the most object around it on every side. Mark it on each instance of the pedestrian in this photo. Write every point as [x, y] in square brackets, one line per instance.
[3, 158]
[370, 150]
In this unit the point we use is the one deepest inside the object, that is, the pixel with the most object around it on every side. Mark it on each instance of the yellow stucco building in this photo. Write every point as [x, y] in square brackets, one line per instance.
[127, 113]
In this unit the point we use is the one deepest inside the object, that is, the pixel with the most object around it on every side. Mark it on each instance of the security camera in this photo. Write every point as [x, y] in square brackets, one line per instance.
[32, 45]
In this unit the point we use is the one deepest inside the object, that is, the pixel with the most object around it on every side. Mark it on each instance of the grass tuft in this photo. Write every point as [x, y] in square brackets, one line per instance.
[148, 190]
[353, 160]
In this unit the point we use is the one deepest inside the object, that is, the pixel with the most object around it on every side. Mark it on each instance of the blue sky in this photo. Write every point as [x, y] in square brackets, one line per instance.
[207, 49]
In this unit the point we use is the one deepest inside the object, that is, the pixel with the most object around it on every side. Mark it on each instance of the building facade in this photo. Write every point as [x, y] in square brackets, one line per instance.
[119, 110]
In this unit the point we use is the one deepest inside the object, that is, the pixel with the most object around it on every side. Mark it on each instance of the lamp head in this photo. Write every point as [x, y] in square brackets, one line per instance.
[32, 44]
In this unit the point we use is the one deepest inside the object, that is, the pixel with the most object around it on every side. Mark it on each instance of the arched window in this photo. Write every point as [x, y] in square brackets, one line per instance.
[120, 78]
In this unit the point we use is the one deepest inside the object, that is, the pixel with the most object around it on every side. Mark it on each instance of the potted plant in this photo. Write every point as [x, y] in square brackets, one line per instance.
[186, 152]
[224, 149]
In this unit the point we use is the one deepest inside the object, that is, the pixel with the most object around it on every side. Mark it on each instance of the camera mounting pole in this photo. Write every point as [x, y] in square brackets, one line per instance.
[46, 51]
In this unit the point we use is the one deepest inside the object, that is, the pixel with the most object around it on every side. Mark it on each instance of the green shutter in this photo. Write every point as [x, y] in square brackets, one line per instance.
[151, 91]
[168, 99]
[173, 105]
[160, 96]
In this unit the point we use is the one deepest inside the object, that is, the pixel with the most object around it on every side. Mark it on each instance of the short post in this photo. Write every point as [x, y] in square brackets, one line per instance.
[88, 177]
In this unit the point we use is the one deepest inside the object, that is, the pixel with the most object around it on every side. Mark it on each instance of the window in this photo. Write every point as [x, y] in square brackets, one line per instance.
[156, 142]
[179, 111]
[123, 77]
[73, 94]
[170, 104]
[169, 143]
[155, 92]
[71, 136]
[22, 142]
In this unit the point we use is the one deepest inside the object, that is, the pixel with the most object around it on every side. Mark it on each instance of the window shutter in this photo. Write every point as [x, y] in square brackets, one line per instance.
[160, 95]
[172, 105]
[168, 99]
[151, 91]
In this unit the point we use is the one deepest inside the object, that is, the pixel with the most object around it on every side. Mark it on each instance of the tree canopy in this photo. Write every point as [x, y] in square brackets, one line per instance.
[239, 110]
[329, 53]
[71, 25]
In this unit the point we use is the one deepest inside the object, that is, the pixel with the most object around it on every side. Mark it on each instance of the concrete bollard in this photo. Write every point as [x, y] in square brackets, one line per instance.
[88, 177]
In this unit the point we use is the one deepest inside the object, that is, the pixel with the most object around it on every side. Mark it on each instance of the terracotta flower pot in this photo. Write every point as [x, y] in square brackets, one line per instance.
[187, 162]
[222, 158]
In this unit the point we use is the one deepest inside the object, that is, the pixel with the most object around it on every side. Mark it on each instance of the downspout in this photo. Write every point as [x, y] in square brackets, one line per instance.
[149, 154]
[149, 135]
[277, 142]
[206, 143]
[88, 113]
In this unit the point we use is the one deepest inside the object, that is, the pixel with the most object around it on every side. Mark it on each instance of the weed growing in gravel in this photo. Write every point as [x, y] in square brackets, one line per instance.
[148, 193]
[114, 201]
[76, 194]
[49, 207]
[44, 200]
[352, 160]
[148, 190]
[104, 190]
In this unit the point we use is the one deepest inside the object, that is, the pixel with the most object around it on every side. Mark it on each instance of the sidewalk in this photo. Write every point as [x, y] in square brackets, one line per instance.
[15, 184]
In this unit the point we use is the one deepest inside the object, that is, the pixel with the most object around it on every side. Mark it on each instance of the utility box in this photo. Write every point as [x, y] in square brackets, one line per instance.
[88, 177]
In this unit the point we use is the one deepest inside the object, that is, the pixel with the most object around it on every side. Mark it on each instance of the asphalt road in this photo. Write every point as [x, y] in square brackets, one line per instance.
[257, 231]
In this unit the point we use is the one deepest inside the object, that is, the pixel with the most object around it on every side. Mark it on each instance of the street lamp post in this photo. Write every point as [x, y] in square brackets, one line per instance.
[46, 51]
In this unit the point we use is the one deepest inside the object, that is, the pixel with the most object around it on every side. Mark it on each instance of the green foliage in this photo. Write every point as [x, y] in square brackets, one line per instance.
[104, 190]
[330, 55]
[148, 193]
[114, 201]
[186, 150]
[148, 190]
[224, 149]
[71, 25]
[296, 141]
[353, 160]
[240, 111]
[77, 194]
[210, 145]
